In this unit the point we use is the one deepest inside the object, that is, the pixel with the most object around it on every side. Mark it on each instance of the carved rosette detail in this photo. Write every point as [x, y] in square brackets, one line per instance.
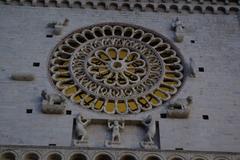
[116, 68]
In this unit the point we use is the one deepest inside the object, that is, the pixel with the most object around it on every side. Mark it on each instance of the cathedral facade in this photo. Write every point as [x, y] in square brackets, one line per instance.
[119, 79]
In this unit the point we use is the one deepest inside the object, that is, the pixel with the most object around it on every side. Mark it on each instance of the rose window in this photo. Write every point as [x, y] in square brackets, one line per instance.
[116, 68]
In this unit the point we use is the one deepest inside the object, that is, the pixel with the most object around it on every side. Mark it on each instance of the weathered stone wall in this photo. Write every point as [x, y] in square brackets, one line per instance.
[213, 41]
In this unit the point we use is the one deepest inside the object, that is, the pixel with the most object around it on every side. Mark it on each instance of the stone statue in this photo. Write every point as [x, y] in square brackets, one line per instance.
[180, 108]
[151, 128]
[150, 124]
[80, 130]
[177, 27]
[52, 103]
[115, 126]
[192, 68]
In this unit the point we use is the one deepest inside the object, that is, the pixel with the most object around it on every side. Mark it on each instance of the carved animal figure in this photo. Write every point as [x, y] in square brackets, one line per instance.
[180, 108]
[149, 123]
[81, 124]
[53, 99]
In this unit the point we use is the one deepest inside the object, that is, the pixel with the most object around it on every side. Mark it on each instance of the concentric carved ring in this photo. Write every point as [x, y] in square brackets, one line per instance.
[116, 68]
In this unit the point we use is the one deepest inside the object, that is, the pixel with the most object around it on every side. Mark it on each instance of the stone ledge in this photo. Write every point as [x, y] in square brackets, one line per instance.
[177, 7]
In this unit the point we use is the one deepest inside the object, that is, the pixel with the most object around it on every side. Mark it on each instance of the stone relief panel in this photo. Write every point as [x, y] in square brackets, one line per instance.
[116, 133]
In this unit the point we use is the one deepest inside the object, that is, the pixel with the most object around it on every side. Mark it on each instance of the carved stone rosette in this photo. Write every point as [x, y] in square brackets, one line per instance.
[116, 68]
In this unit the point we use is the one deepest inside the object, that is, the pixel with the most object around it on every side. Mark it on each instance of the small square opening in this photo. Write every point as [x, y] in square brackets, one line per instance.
[205, 117]
[201, 69]
[36, 64]
[51, 144]
[178, 149]
[28, 111]
[163, 115]
[49, 35]
[68, 112]
[192, 41]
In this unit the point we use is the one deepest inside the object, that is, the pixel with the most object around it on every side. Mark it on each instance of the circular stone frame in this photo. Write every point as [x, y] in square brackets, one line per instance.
[13, 155]
[117, 68]
[31, 155]
[103, 156]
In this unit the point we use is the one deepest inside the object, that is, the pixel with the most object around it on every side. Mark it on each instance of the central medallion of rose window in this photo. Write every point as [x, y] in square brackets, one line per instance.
[116, 68]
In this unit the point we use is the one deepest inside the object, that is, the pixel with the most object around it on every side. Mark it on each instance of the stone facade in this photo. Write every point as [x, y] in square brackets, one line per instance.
[206, 69]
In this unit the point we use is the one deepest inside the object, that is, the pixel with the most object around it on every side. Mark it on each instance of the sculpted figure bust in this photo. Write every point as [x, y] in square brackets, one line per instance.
[81, 124]
[115, 126]
[52, 103]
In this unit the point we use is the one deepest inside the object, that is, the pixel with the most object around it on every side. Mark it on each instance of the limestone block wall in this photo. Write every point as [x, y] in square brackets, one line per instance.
[213, 41]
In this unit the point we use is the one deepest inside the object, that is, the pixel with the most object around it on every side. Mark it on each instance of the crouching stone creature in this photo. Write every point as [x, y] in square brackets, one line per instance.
[52, 103]
[180, 108]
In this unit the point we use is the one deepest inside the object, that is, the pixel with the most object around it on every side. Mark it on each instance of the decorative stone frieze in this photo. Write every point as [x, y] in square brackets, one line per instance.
[43, 153]
[177, 6]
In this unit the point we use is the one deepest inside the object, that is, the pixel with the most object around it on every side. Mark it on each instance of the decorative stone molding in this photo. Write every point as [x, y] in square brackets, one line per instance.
[52, 103]
[117, 68]
[177, 6]
[113, 154]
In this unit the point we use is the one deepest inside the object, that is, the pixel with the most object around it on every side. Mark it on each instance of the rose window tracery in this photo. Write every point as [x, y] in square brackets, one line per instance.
[116, 68]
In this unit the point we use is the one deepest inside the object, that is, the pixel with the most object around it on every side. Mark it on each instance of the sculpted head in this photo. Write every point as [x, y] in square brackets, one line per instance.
[115, 122]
